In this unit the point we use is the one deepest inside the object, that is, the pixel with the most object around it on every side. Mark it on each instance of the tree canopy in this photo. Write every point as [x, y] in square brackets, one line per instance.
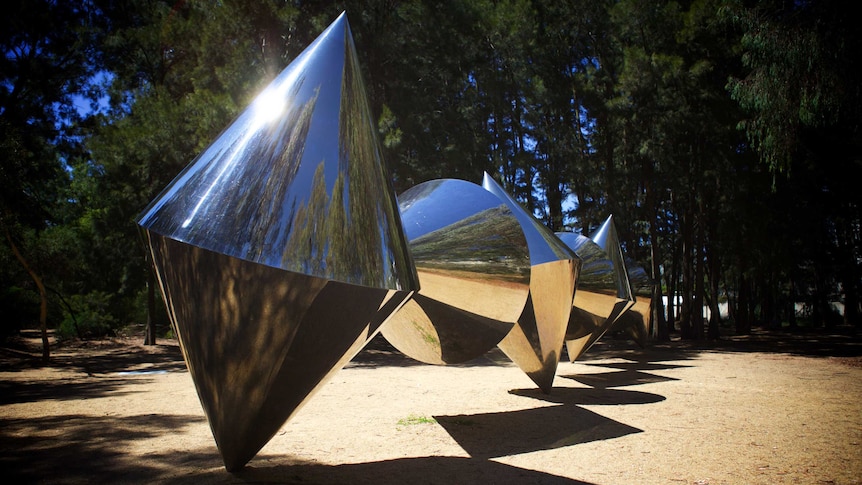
[723, 135]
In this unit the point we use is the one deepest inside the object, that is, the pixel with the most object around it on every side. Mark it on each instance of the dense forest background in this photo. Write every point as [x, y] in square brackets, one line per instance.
[723, 135]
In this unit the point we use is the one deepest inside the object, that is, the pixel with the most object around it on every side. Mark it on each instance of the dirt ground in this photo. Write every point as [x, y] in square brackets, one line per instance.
[761, 409]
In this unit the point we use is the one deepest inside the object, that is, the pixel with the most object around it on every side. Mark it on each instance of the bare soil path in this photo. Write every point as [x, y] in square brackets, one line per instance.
[772, 408]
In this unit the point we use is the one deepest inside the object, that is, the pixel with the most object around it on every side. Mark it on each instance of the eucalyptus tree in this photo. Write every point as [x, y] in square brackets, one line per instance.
[48, 60]
[179, 72]
[802, 94]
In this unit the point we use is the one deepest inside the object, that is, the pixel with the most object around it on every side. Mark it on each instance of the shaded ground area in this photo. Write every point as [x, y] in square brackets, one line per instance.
[766, 408]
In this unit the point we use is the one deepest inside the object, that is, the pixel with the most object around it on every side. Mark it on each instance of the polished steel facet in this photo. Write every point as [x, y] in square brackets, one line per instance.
[597, 302]
[637, 320]
[474, 268]
[606, 237]
[279, 250]
[296, 182]
[536, 342]
[259, 341]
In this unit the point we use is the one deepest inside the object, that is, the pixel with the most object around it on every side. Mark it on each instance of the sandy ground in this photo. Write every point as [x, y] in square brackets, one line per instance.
[765, 409]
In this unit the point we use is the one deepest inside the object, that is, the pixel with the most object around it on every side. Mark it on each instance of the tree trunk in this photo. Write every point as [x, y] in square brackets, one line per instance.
[743, 322]
[43, 297]
[554, 197]
[150, 333]
[662, 332]
[715, 311]
[685, 318]
[699, 290]
[791, 315]
[671, 276]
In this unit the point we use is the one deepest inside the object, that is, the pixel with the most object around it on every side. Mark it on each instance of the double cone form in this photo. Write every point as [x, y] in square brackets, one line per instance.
[635, 322]
[474, 268]
[606, 238]
[536, 341]
[279, 249]
[597, 301]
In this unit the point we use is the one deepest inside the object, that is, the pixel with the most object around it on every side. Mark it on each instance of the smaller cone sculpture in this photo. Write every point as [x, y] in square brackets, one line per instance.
[474, 268]
[606, 238]
[597, 301]
[636, 321]
[536, 341]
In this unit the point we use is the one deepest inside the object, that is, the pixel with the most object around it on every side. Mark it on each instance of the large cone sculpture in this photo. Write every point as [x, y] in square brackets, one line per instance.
[536, 341]
[474, 267]
[279, 249]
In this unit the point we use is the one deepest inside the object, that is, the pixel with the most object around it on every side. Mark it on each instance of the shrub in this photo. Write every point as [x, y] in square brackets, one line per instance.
[90, 317]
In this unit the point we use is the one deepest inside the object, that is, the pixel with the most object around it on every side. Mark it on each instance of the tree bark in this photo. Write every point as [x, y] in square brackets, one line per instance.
[715, 312]
[743, 322]
[685, 318]
[43, 297]
[699, 290]
[150, 333]
[662, 333]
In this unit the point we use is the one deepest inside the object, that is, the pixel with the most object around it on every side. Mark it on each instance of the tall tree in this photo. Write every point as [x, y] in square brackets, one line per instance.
[802, 92]
[180, 72]
[48, 60]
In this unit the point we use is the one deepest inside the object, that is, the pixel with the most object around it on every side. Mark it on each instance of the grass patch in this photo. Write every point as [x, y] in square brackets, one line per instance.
[414, 419]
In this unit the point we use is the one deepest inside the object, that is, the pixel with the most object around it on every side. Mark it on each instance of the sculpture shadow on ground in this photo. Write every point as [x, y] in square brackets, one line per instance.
[590, 397]
[490, 435]
[621, 378]
[99, 449]
[421, 470]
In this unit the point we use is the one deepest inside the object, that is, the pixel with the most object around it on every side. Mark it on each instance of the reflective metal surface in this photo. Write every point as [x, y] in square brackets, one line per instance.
[597, 303]
[544, 246]
[636, 322]
[536, 342]
[296, 182]
[474, 269]
[279, 250]
[259, 341]
[606, 237]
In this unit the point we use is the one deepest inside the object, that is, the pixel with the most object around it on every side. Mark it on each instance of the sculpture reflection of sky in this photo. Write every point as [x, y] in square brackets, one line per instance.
[434, 216]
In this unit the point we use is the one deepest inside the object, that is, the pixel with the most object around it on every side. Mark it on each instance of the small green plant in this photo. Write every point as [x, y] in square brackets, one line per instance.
[413, 419]
[426, 336]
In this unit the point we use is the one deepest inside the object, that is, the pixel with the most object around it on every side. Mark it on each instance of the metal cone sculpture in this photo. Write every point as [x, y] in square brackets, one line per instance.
[606, 237]
[474, 267]
[279, 249]
[536, 341]
[596, 300]
[636, 320]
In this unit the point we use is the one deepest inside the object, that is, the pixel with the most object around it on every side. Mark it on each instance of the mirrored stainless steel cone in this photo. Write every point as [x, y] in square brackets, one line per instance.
[636, 322]
[536, 342]
[474, 268]
[259, 341]
[597, 303]
[606, 237]
[279, 249]
[296, 182]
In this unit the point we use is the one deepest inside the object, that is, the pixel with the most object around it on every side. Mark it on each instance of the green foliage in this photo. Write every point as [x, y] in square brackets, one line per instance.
[88, 317]
[414, 419]
[580, 108]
